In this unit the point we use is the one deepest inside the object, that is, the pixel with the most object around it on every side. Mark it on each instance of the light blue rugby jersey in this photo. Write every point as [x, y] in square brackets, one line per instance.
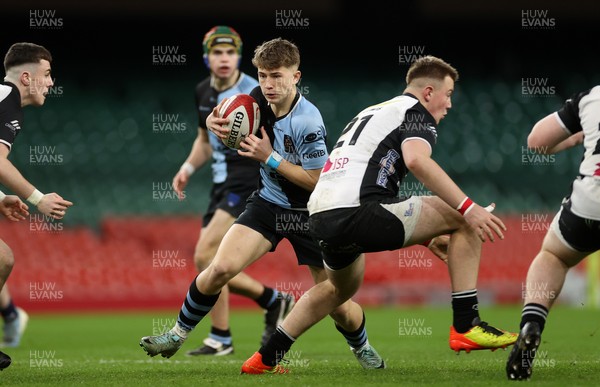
[300, 138]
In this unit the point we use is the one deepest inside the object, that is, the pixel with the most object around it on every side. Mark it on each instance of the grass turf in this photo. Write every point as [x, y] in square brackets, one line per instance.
[103, 350]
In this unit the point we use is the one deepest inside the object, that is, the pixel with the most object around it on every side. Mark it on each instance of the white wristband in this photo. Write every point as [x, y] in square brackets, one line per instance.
[188, 168]
[2, 196]
[35, 197]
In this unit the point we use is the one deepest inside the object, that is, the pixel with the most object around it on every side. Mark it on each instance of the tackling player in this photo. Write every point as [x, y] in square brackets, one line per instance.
[355, 209]
[27, 80]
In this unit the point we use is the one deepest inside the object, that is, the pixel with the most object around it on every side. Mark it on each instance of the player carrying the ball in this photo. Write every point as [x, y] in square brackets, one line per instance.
[355, 209]
[291, 151]
[234, 178]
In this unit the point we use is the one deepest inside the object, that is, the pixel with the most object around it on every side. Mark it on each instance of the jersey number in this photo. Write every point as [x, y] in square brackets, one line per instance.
[359, 129]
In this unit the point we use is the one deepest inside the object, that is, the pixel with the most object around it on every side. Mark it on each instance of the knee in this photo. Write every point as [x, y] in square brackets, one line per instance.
[7, 259]
[220, 274]
[204, 254]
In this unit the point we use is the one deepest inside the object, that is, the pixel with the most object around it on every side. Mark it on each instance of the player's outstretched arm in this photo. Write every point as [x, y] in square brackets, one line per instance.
[199, 155]
[417, 157]
[52, 204]
[548, 136]
[13, 208]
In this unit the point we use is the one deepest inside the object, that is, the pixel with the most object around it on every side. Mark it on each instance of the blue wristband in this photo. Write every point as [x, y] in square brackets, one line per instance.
[274, 160]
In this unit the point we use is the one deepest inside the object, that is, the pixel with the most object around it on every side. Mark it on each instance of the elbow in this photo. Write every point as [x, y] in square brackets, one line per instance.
[412, 163]
[535, 143]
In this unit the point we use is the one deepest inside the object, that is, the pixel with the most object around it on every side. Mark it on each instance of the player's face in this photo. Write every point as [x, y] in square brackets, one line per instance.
[278, 85]
[223, 60]
[441, 99]
[40, 81]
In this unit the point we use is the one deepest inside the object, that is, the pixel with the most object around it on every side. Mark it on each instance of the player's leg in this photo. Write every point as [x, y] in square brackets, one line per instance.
[350, 319]
[562, 249]
[425, 217]
[15, 319]
[219, 341]
[240, 247]
[319, 301]
[6, 264]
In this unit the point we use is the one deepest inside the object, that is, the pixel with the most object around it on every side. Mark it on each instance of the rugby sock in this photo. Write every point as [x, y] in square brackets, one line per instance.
[267, 298]
[10, 312]
[222, 336]
[195, 306]
[464, 310]
[278, 345]
[355, 339]
[534, 313]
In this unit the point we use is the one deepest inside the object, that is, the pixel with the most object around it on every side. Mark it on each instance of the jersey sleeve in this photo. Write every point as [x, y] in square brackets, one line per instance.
[9, 121]
[569, 113]
[312, 148]
[418, 125]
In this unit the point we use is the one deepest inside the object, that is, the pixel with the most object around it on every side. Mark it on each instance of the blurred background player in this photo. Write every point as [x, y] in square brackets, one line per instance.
[292, 150]
[575, 231]
[15, 319]
[234, 179]
[355, 209]
[27, 80]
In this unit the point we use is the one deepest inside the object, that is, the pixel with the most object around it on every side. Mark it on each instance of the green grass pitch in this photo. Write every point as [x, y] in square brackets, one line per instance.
[103, 350]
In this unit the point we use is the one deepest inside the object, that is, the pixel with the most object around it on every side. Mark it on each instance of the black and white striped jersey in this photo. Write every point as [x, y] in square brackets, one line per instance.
[366, 163]
[11, 113]
[579, 113]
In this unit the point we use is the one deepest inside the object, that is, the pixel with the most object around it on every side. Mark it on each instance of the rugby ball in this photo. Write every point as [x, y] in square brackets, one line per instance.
[244, 118]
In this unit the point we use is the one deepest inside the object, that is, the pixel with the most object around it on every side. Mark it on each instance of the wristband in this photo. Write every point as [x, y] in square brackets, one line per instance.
[2, 196]
[35, 197]
[188, 168]
[274, 160]
[465, 206]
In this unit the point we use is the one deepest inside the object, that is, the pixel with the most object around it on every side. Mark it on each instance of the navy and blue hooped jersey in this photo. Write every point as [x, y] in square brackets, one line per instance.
[227, 166]
[300, 138]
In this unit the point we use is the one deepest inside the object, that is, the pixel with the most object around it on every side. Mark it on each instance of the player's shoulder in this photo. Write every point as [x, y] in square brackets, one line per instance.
[9, 94]
[247, 83]
[203, 85]
[305, 117]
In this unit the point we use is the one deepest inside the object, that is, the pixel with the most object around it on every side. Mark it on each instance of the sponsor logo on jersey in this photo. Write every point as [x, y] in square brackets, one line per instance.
[314, 154]
[337, 163]
[13, 126]
[313, 137]
[288, 144]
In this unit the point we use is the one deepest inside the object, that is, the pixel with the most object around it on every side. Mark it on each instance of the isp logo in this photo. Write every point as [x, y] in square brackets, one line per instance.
[337, 163]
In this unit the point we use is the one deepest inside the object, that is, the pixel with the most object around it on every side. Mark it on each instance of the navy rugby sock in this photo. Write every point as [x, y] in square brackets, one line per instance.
[195, 306]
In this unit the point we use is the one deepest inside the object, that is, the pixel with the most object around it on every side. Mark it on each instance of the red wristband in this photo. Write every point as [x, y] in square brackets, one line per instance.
[465, 206]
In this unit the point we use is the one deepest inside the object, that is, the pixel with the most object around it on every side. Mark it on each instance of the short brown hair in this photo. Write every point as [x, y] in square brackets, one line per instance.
[430, 67]
[24, 53]
[276, 53]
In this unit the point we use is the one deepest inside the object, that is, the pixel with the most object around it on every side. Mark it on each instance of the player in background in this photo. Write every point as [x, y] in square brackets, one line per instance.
[291, 151]
[575, 231]
[355, 209]
[27, 80]
[234, 178]
[15, 320]
[15, 210]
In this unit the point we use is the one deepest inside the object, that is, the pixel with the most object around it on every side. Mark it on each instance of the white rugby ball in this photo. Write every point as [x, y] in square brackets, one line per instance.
[244, 118]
